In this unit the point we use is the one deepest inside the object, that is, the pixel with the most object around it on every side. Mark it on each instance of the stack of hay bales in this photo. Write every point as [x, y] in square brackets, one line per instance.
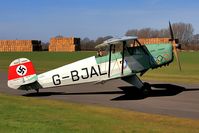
[153, 40]
[16, 46]
[64, 44]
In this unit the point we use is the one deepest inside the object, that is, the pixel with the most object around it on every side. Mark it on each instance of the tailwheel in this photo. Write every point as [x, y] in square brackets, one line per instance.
[146, 89]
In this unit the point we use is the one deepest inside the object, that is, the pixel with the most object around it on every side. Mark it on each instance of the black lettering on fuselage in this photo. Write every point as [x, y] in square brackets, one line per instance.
[74, 75]
[87, 75]
[56, 79]
[100, 73]
[93, 72]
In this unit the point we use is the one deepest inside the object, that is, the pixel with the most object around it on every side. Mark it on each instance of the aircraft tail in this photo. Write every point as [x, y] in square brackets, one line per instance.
[21, 73]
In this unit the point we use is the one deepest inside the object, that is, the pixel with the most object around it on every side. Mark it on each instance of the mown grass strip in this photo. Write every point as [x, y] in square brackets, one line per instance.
[24, 114]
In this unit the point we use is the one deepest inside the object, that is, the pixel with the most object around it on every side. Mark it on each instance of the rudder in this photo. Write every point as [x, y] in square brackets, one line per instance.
[21, 72]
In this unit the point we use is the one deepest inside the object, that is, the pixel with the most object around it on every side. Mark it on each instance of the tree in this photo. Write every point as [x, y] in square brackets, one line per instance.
[143, 33]
[87, 44]
[100, 40]
[194, 44]
[195, 39]
[132, 32]
[164, 33]
[183, 31]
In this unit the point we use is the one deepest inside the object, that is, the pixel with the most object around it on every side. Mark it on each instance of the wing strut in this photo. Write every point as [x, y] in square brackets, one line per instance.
[109, 65]
[123, 47]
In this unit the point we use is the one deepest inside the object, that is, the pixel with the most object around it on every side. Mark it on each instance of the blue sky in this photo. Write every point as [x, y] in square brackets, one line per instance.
[42, 19]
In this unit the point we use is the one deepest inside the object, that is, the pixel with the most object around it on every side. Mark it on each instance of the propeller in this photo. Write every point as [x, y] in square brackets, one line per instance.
[176, 45]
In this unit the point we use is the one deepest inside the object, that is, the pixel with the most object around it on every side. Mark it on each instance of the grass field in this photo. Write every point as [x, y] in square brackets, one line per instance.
[44, 61]
[25, 114]
[189, 73]
[32, 115]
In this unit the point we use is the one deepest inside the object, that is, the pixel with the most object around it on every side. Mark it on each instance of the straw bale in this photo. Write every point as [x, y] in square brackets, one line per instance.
[16, 45]
[63, 44]
[153, 40]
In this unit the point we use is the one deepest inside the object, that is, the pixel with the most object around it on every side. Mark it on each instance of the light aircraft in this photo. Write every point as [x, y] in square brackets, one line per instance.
[125, 58]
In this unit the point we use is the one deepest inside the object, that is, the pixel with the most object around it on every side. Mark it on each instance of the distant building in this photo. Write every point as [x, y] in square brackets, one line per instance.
[20, 45]
[64, 44]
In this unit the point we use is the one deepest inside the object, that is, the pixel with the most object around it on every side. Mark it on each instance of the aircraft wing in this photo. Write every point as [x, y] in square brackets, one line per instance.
[115, 41]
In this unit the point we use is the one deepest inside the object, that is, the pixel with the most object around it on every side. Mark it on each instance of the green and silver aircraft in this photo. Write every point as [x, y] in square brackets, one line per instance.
[121, 58]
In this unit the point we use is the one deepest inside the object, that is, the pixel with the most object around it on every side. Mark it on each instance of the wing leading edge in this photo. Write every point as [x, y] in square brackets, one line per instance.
[115, 41]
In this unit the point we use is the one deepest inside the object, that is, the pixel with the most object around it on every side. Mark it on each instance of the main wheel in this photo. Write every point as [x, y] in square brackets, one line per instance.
[37, 90]
[146, 89]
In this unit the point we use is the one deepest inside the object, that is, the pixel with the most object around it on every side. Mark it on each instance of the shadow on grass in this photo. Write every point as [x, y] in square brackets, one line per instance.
[126, 92]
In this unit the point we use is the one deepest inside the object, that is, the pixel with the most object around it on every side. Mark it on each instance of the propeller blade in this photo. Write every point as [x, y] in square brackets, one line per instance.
[176, 55]
[174, 43]
[171, 31]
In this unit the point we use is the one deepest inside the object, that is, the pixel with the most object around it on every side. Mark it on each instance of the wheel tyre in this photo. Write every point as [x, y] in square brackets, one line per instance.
[146, 89]
[37, 91]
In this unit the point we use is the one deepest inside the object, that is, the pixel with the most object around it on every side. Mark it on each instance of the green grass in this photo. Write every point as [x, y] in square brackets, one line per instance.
[171, 73]
[44, 61]
[24, 114]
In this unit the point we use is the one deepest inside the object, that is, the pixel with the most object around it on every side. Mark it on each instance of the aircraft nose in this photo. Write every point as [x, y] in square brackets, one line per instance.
[178, 46]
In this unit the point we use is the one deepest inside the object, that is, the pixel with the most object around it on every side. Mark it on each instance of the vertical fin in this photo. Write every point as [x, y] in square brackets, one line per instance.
[21, 72]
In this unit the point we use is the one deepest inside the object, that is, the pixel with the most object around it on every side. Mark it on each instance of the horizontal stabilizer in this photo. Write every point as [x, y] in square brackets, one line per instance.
[32, 86]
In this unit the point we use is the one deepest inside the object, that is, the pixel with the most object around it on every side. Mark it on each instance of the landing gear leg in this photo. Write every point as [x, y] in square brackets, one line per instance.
[143, 88]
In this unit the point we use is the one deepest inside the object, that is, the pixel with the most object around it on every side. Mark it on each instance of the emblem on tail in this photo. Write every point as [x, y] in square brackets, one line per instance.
[21, 72]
